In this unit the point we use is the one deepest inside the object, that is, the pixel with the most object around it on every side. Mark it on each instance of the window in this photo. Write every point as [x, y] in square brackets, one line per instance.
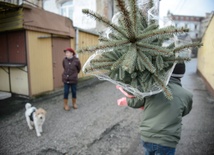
[67, 9]
[19, 2]
[196, 26]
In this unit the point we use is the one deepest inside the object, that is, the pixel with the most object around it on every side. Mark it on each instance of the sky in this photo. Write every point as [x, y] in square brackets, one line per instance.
[186, 7]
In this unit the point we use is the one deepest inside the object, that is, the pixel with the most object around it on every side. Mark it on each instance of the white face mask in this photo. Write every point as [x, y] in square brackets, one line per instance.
[69, 54]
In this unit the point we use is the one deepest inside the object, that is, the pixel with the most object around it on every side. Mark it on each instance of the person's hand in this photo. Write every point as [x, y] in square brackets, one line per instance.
[123, 101]
[125, 93]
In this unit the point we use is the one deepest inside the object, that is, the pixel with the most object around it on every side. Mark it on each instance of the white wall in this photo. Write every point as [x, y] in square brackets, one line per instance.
[79, 19]
[4, 82]
[19, 81]
[50, 5]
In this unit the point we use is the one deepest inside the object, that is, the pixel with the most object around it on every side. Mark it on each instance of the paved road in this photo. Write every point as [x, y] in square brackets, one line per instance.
[100, 127]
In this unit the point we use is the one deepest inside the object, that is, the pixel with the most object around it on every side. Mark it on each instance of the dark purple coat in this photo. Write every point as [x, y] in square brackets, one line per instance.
[71, 69]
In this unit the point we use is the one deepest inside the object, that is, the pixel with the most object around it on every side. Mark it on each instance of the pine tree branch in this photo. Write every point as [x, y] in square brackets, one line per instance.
[126, 18]
[180, 48]
[100, 67]
[143, 20]
[134, 83]
[114, 36]
[150, 28]
[144, 76]
[101, 60]
[156, 40]
[166, 90]
[134, 17]
[178, 59]
[150, 52]
[155, 48]
[129, 62]
[121, 74]
[101, 64]
[111, 55]
[118, 63]
[102, 47]
[114, 74]
[159, 62]
[104, 20]
[103, 39]
[146, 62]
[140, 66]
[161, 32]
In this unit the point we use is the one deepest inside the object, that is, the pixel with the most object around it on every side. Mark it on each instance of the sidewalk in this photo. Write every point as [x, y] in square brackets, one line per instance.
[197, 137]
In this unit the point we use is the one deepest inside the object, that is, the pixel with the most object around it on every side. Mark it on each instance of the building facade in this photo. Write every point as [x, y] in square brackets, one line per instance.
[107, 8]
[206, 55]
[205, 22]
[193, 23]
[32, 41]
[73, 10]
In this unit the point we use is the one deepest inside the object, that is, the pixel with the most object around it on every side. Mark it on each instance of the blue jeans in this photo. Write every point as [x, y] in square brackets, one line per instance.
[73, 90]
[156, 149]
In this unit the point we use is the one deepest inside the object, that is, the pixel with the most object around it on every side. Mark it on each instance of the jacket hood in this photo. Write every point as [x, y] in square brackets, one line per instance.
[175, 80]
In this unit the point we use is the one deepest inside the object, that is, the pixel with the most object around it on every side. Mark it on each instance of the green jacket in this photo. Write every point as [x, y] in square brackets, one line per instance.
[162, 118]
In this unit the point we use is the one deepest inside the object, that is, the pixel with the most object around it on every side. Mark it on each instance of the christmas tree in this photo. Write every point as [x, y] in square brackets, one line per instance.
[132, 53]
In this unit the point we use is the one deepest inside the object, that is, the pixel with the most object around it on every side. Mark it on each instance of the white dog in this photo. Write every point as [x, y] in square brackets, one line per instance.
[35, 117]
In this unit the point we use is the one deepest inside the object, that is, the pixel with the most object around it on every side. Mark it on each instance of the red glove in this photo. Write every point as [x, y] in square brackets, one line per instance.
[122, 101]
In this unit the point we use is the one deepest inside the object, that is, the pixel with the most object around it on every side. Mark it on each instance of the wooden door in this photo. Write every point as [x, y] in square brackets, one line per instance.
[58, 46]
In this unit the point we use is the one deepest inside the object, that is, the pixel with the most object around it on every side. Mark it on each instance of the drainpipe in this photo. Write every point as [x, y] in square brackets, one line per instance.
[76, 39]
[42, 4]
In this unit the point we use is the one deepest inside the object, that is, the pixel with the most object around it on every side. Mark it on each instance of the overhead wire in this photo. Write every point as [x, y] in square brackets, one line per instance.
[182, 4]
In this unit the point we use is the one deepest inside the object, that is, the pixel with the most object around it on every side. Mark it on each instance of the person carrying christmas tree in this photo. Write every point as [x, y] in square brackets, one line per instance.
[162, 118]
[132, 56]
[71, 66]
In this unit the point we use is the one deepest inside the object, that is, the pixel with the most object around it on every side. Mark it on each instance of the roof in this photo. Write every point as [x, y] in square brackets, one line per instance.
[38, 19]
[31, 18]
[185, 18]
[4, 7]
